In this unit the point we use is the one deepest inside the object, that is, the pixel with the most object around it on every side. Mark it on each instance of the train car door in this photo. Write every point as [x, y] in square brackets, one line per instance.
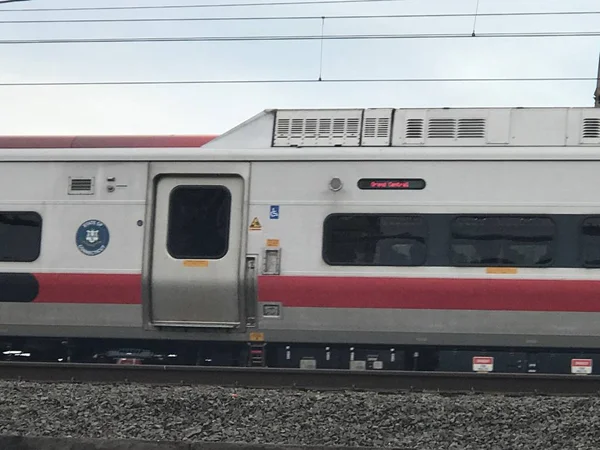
[197, 258]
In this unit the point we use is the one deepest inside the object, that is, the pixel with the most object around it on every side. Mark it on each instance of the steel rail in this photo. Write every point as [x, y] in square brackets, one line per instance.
[320, 379]
[47, 442]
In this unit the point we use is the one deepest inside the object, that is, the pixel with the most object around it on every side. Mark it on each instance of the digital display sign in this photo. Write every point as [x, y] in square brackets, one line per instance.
[383, 184]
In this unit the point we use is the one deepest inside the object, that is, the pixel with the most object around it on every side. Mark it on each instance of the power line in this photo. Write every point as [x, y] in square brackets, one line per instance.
[300, 81]
[330, 17]
[338, 37]
[207, 5]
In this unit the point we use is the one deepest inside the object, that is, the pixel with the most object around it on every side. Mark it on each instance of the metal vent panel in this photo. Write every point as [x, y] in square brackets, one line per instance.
[590, 129]
[441, 128]
[377, 127]
[81, 185]
[414, 128]
[453, 128]
[322, 128]
[409, 127]
[471, 128]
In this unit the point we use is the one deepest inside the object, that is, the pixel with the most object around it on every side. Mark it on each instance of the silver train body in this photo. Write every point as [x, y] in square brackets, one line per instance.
[401, 228]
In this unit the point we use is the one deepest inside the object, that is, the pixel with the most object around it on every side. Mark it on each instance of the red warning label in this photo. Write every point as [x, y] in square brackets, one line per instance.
[581, 366]
[483, 364]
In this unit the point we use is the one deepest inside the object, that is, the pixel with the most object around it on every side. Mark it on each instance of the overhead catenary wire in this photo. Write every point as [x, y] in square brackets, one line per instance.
[305, 18]
[299, 81]
[286, 38]
[272, 38]
[194, 6]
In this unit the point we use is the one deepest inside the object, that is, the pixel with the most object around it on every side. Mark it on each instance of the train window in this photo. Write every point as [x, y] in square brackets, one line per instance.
[374, 240]
[199, 222]
[502, 241]
[20, 236]
[590, 230]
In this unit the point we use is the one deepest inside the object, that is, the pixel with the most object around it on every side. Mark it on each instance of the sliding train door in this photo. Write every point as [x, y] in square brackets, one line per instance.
[197, 263]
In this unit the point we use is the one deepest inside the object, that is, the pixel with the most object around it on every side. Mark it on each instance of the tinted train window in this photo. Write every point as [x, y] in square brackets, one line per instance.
[199, 222]
[20, 236]
[379, 240]
[591, 242]
[502, 241]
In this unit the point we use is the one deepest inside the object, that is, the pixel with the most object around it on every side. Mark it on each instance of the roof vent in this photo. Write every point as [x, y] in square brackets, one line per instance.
[81, 186]
[451, 128]
[471, 128]
[310, 128]
[414, 129]
[591, 128]
[441, 128]
[377, 127]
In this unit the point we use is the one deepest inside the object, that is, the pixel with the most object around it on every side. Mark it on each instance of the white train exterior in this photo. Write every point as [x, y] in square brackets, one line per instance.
[377, 238]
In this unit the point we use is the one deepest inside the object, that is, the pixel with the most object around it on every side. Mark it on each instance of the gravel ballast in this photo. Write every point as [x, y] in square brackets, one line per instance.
[411, 421]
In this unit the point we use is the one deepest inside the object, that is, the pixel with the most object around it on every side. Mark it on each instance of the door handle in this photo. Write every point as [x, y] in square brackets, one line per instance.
[251, 289]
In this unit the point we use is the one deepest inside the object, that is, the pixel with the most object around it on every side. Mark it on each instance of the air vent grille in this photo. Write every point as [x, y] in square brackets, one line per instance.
[591, 128]
[377, 127]
[81, 186]
[303, 129]
[450, 128]
[471, 128]
[414, 129]
[282, 129]
[441, 128]
[317, 128]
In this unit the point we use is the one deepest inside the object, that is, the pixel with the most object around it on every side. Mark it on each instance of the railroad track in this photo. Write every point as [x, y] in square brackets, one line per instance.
[319, 379]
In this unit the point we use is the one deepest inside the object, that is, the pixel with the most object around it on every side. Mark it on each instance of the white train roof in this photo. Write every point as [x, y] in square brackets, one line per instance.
[377, 134]
[382, 127]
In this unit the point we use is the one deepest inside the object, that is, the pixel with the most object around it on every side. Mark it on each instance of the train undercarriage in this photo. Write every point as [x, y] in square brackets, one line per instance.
[307, 356]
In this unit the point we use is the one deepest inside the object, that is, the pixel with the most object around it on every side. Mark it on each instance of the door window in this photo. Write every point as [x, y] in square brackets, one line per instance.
[198, 225]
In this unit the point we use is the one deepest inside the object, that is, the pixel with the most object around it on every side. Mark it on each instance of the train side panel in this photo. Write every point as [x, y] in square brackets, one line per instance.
[431, 303]
[87, 245]
[95, 291]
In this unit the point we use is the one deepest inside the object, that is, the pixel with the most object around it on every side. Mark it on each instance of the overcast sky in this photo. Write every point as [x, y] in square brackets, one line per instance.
[197, 109]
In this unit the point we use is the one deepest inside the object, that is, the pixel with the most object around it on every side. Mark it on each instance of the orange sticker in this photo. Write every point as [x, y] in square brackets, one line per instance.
[257, 337]
[272, 242]
[501, 270]
[195, 263]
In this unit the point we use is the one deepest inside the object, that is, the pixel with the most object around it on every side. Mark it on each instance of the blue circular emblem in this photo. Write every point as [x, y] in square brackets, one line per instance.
[92, 237]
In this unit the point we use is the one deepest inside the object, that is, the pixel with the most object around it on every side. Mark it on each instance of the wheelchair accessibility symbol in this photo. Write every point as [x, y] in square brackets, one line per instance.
[274, 212]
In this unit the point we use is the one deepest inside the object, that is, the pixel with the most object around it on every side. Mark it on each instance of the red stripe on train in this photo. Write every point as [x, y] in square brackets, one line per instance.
[354, 292]
[432, 293]
[89, 288]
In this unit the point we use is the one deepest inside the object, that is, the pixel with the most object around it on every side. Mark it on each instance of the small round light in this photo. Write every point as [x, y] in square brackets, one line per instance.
[335, 184]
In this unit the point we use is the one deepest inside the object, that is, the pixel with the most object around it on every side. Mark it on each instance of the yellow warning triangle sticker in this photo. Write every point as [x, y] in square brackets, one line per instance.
[255, 225]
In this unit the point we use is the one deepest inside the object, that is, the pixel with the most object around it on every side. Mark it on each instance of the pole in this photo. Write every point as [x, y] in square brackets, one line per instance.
[597, 93]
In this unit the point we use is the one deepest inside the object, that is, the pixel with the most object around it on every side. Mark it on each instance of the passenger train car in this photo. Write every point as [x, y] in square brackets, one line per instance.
[414, 239]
